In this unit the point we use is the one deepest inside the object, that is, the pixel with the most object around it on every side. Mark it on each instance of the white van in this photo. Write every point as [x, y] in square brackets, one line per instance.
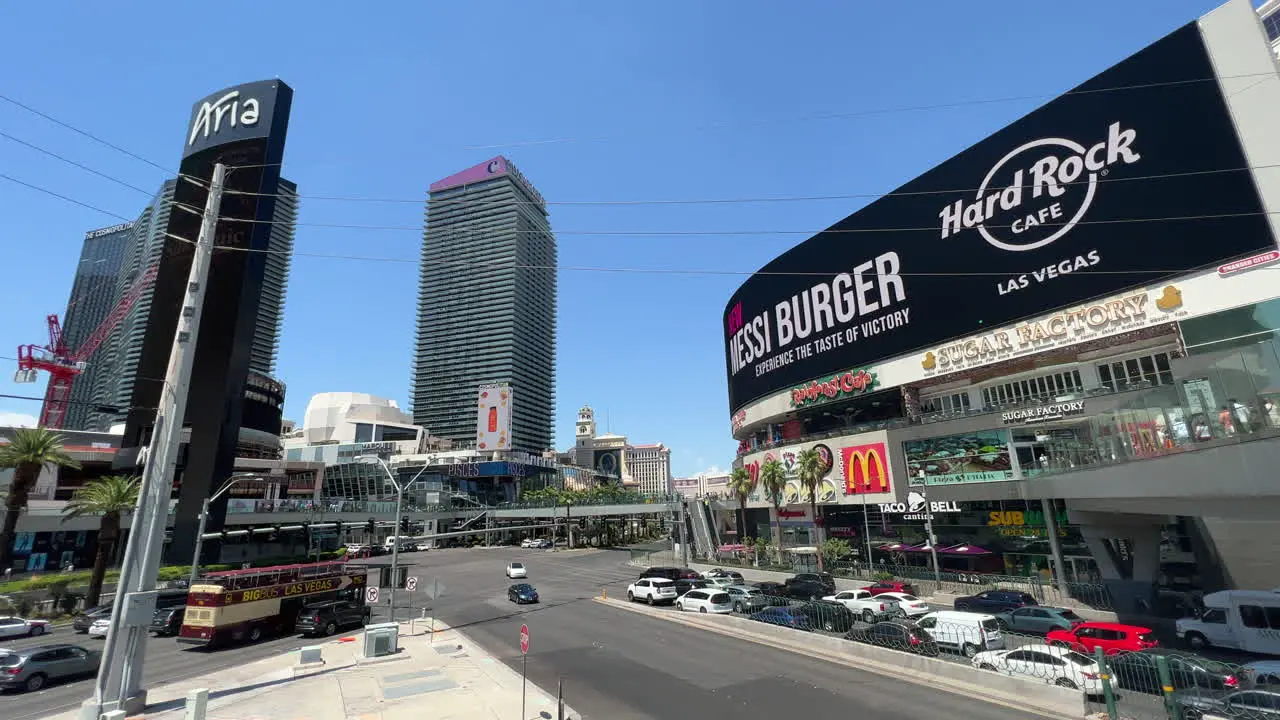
[964, 632]
[1246, 620]
[406, 543]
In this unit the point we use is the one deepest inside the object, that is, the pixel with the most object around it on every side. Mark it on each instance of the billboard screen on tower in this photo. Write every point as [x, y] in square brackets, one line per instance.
[1133, 177]
[493, 417]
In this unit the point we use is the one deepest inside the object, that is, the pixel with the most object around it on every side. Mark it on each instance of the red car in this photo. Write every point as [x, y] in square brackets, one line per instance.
[1111, 637]
[885, 586]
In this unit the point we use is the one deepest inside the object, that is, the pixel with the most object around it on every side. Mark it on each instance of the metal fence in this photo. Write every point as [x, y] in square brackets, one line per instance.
[1153, 684]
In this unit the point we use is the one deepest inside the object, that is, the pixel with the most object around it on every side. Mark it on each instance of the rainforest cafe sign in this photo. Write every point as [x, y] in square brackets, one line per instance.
[852, 382]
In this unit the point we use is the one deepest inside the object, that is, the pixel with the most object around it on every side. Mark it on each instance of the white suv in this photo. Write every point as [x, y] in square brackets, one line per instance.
[705, 600]
[652, 590]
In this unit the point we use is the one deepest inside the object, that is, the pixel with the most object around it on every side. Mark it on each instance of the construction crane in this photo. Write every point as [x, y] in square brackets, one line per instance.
[64, 365]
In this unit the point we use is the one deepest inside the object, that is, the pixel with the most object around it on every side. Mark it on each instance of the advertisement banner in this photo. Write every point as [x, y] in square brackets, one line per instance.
[981, 456]
[866, 449]
[1096, 192]
[607, 462]
[493, 417]
[866, 469]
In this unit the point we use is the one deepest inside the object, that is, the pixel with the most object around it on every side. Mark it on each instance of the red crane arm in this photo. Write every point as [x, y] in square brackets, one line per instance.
[117, 314]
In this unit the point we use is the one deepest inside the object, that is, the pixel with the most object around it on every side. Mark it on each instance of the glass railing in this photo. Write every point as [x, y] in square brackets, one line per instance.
[625, 499]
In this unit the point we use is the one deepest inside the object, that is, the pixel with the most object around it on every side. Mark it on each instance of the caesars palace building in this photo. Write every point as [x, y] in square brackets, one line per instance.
[1068, 345]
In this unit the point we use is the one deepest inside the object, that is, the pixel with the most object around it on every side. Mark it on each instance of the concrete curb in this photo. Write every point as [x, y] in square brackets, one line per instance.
[1014, 693]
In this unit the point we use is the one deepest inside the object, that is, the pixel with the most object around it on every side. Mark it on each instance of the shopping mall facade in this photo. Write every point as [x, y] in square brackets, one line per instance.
[1075, 361]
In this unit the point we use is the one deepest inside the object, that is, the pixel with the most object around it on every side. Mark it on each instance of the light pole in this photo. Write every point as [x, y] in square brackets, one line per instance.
[395, 546]
[204, 516]
[928, 528]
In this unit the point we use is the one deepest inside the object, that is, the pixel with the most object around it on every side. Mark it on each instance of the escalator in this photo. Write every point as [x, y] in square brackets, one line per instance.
[704, 543]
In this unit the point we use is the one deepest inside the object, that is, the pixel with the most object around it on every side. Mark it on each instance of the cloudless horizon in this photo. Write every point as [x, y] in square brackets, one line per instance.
[593, 102]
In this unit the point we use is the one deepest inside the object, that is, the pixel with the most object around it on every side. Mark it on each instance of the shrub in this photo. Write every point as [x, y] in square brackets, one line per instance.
[24, 605]
[67, 603]
[883, 576]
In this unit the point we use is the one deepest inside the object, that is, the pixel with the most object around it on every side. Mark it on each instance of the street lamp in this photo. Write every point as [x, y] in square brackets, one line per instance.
[204, 516]
[395, 546]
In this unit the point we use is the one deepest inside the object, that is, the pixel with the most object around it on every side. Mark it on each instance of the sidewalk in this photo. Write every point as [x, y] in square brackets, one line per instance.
[434, 677]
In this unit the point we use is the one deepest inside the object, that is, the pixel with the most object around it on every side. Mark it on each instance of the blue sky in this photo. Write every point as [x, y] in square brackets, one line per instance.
[663, 100]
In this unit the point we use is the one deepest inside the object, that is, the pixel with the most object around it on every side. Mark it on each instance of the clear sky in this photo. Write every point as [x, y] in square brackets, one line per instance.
[659, 100]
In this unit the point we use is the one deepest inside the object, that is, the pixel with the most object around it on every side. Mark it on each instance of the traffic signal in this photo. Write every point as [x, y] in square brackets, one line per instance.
[404, 526]
[371, 526]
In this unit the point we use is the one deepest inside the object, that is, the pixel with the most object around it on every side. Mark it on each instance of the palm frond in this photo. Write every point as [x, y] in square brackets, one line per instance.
[109, 494]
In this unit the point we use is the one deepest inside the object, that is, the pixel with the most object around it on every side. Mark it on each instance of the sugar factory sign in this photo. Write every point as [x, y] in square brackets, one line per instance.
[1044, 413]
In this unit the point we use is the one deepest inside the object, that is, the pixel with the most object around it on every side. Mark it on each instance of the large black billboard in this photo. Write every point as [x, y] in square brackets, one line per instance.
[243, 127]
[1130, 178]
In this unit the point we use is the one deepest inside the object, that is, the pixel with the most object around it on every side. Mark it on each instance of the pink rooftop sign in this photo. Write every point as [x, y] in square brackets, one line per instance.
[487, 170]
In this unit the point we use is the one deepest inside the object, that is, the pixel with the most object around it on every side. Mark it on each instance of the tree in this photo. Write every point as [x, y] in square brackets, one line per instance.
[834, 549]
[810, 467]
[773, 478]
[110, 497]
[741, 485]
[29, 451]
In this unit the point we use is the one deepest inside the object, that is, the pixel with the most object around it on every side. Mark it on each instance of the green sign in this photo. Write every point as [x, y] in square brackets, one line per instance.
[849, 383]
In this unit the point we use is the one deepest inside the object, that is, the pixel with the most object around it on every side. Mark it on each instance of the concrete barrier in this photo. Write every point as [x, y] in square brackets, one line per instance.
[962, 678]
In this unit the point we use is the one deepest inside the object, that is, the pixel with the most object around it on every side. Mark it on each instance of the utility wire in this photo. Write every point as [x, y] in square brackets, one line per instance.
[85, 133]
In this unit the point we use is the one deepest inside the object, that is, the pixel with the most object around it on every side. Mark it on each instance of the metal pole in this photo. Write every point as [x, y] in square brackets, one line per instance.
[560, 699]
[142, 555]
[395, 546]
[866, 531]
[1055, 547]
[524, 683]
[933, 544]
[195, 558]
[684, 544]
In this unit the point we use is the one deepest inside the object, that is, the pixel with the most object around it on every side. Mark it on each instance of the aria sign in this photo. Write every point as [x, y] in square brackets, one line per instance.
[852, 382]
[918, 508]
[1044, 413]
[229, 111]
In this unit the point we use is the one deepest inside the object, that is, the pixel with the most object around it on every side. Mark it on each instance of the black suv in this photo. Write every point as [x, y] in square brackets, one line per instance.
[168, 621]
[994, 601]
[670, 573]
[825, 579]
[326, 618]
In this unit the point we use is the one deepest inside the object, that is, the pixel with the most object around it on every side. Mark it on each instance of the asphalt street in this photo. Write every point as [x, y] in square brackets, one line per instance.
[615, 665]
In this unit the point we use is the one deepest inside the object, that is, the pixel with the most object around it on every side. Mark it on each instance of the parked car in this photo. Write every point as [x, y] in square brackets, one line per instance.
[807, 590]
[905, 605]
[705, 600]
[1111, 637]
[167, 622]
[824, 579]
[516, 570]
[1038, 619]
[828, 615]
[1243, 704]
[1052, 665]
[671, 573]
[684, 585]
[773, 590]
[863, 604]
[1137, 671]
[902, 635]
[964, 632]
[522, 593]
[32, 668]
[1263, 674]
[885, 586]
[784, 616]
[747, 599]
[652, 590]
[995, 601]
[100, 627]
[327, 617]
[722, 573]
[21, 627]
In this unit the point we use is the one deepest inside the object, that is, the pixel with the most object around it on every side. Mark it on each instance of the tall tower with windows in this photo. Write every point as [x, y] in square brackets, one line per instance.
[585, 437]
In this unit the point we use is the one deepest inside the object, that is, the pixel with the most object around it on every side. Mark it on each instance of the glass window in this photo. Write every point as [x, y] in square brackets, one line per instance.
[1253, 616]
[364, 432]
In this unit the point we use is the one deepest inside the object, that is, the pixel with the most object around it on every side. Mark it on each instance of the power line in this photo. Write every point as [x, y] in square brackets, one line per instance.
[85, 133]
[481, 202]
[873, 112]
[63, 197]
[69, 161]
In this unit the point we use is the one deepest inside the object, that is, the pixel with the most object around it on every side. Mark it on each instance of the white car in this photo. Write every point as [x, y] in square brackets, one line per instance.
[1051, 665]
[720, 582]
[863, 604]
[100, 628]
[528, 543]
[705, 600]
[516, 570]
[652, 590]
[908, 605]
[19, 627]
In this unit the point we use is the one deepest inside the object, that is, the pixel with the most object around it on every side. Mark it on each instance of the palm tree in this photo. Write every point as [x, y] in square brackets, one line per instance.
[773, 478]
[29, 451]
[810, 467]
[740, 485]
[109, 496]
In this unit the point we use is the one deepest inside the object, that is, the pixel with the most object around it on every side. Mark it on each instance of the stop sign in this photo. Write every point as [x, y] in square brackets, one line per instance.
[524, 639]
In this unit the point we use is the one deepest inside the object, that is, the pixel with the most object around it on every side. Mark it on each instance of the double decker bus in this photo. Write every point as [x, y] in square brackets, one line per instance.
[246, 605]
